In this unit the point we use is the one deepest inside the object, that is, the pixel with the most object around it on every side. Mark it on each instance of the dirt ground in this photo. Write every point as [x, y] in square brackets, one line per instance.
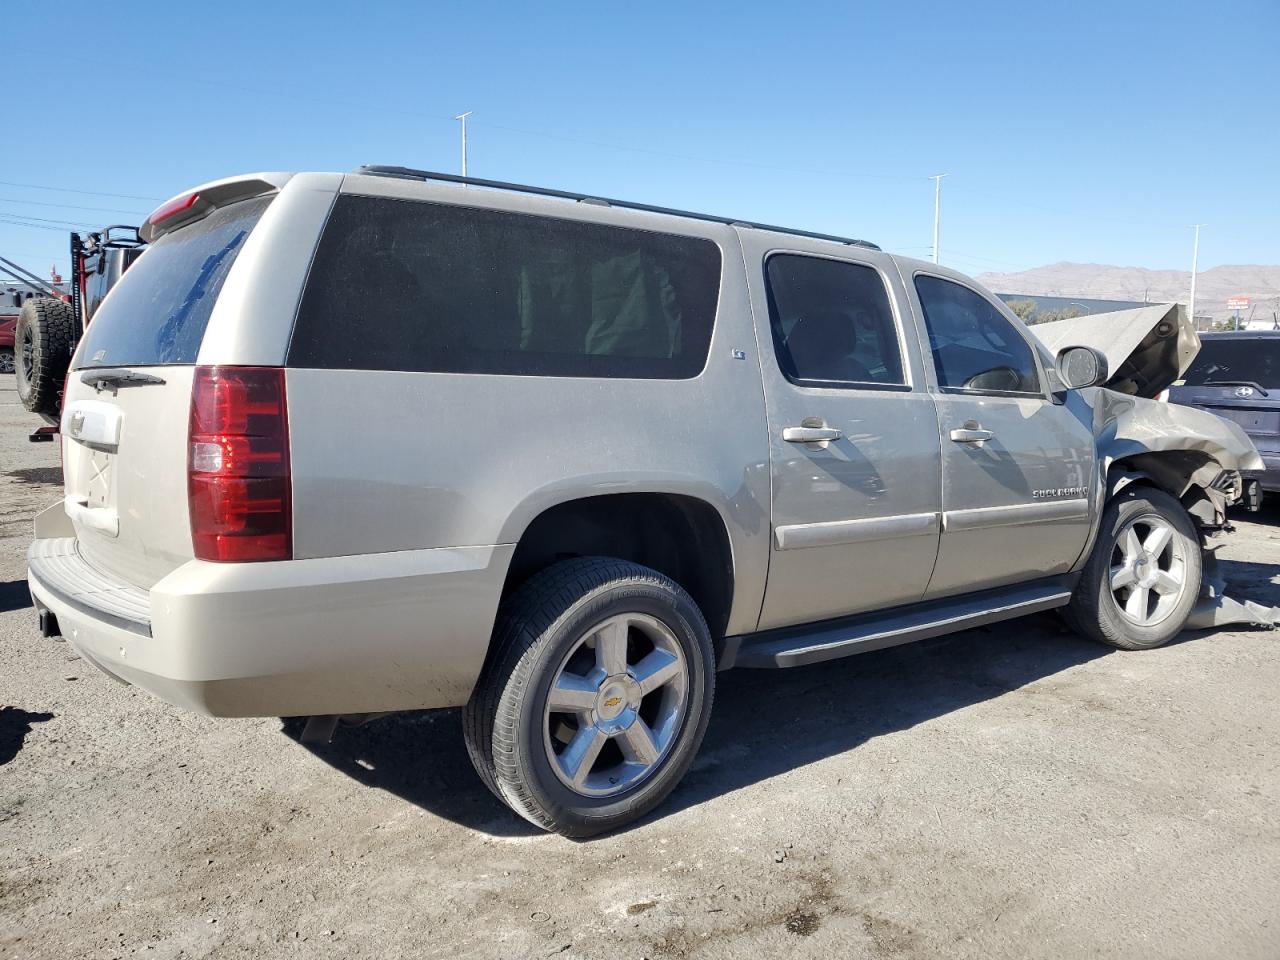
[1009, 792]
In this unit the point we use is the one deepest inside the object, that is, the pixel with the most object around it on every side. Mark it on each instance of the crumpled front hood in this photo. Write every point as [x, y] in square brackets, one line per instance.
[1147, 348]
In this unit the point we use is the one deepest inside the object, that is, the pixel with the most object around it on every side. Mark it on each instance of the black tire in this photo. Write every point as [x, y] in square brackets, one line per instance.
[44, 339]
[6, 359]
[1094, 611]
[537, 628]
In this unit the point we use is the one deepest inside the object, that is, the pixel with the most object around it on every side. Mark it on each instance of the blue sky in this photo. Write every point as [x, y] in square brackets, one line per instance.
[1081, 131]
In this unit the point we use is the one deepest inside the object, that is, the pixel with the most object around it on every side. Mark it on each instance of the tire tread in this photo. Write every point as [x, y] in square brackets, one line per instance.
[52, 323]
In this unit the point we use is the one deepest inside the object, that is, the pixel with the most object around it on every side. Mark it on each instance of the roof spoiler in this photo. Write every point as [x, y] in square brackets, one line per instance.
[192, 205]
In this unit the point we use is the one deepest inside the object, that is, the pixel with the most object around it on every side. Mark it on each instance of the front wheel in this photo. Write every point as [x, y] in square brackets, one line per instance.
[6, 359]
[596, 697]
[1143, 577]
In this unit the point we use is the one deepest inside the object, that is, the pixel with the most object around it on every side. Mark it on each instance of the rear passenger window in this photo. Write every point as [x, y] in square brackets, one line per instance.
[975, 348]
[832, 324]
[416, 286]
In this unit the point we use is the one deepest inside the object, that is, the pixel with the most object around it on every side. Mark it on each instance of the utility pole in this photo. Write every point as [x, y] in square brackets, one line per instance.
[463, 118]
[937, 210]
[1195, 259]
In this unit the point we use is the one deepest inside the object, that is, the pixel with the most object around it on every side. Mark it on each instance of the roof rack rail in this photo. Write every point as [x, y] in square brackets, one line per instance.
[406, 173]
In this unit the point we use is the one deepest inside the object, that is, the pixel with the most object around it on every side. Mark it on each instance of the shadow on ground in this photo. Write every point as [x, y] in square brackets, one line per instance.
[14, 595]
[15, 724]
[51, 476]
[764, 723]
[1268, 515]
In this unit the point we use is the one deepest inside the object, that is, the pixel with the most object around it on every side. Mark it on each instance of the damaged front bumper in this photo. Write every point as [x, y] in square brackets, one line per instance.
[1208, 462]
[1216, 609]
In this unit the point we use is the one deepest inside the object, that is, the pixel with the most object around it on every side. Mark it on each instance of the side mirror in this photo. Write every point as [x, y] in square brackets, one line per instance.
[1081, 367]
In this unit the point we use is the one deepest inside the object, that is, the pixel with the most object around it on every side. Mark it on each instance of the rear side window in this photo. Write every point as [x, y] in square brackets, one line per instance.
[414, 286]
[158, 312]
[975, 347]
[832, 324]
[1242, 359]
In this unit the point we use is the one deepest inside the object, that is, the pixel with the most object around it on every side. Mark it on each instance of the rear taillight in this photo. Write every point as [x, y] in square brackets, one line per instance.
[238, 483]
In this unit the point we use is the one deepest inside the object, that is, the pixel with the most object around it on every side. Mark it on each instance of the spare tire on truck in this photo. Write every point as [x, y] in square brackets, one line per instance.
[43, 341]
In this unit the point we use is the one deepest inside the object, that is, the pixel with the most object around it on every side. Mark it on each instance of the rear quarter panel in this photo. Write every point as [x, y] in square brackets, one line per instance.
[387, 461]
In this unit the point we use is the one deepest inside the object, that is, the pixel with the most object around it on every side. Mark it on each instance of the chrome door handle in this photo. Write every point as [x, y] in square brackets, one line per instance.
[971, 434]
[810, 434]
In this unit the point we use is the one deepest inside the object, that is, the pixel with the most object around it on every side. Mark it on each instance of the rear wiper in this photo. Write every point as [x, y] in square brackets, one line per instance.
[114, 379]
[1236, 383]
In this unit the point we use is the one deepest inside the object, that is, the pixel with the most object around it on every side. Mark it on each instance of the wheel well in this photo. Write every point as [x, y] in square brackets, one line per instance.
[1189, 476]
[679, 536]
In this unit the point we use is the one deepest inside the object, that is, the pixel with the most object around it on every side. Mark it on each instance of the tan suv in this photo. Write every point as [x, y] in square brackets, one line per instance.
[347, 444]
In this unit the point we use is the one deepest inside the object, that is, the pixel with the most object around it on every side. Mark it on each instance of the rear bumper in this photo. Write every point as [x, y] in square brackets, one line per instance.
[1270, 475]
[360, 634]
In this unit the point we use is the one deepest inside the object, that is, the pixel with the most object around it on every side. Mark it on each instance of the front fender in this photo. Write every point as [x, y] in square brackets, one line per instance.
[1129, 426]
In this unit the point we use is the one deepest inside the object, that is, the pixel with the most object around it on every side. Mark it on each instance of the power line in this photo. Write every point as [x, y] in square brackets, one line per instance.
[1075, 215]
[43, 223]
[88, 193]
[70, 206]
[956, 255]
[31, 258]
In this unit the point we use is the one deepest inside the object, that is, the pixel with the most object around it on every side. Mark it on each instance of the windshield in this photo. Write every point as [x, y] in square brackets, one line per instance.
[158, 311]
[1251, 359]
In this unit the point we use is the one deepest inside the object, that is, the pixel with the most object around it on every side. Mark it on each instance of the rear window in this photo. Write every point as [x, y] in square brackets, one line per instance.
[415, 286]
[158, 311]
[1232, 361]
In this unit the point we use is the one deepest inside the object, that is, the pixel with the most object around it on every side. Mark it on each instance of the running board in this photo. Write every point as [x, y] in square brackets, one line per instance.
[815, 642]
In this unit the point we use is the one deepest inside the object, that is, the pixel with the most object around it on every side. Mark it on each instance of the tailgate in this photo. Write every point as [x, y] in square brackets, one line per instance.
[127, 400]
[124, 466]
[1256, 422]
[1257, 415]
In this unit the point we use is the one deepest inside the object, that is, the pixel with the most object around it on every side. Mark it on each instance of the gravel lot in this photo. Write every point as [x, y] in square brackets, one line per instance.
[1011, 792]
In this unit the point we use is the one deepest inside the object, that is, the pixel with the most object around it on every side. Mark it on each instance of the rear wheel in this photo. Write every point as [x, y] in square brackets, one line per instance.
[596, 698]
[1143, 577]
[44, 339]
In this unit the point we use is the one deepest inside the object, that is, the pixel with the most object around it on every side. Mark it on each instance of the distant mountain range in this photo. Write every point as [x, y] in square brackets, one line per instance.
[1261, 284]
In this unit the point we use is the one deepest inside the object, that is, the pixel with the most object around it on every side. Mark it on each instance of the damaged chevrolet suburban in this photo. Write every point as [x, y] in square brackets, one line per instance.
[340, 445]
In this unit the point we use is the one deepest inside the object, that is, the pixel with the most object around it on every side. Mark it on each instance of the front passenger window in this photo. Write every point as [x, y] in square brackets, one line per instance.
[975, 348]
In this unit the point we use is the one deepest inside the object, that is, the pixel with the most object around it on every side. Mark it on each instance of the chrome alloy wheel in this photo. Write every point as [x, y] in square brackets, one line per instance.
[7, 364]
[1148, 570]
[617, 705]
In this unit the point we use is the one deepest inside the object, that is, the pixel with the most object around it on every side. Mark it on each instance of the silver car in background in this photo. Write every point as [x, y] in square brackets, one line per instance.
[348, 444]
